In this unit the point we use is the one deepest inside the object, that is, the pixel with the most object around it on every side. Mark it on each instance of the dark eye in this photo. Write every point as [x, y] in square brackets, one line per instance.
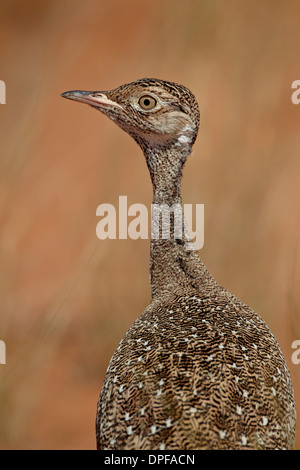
[147, 102]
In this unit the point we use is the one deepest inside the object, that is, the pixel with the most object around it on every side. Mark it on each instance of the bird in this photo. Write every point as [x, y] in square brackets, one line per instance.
[198, 369]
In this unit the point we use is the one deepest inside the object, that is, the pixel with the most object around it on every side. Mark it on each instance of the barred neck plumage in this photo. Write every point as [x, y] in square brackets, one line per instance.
[175, 267]
[165, 166]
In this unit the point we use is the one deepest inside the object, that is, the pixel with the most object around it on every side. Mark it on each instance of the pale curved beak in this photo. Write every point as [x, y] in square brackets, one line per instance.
[97, 99]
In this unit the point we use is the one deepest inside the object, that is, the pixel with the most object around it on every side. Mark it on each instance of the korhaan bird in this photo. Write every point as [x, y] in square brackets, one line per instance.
[198, 369]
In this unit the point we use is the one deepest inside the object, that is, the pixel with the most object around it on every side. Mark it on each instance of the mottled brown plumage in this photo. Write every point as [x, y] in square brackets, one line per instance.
[198, 369]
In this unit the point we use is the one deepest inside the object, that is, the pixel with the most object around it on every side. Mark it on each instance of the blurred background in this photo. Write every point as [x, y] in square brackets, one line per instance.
[67, 298]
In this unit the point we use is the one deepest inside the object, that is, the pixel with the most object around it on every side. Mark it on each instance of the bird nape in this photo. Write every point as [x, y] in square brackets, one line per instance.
[198, 369]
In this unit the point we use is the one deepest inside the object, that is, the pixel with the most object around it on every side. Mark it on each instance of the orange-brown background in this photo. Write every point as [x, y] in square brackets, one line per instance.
[66, 298]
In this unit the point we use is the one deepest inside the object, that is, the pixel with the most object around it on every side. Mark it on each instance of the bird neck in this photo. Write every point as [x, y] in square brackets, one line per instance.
[175, 268]
[165, 168]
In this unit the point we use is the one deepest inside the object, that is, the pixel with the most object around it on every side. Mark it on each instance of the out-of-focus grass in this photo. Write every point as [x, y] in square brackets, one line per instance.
[66, 299]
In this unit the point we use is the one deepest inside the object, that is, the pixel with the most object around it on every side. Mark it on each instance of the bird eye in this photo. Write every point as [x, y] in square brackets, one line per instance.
[147, 102]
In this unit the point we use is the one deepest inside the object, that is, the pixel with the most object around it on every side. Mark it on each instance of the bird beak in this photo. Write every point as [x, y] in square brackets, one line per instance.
[97, 99]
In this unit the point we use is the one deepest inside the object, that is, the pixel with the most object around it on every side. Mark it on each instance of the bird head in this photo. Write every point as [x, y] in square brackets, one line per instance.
[156, 113]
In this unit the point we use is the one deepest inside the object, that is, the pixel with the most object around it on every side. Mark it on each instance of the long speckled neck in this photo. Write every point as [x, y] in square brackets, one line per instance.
[174, 268]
